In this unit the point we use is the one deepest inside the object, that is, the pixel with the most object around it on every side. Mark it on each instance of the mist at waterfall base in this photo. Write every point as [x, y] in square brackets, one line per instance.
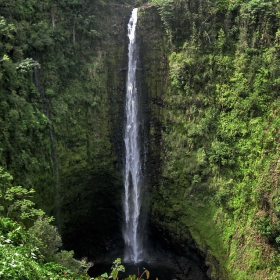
[165, 262]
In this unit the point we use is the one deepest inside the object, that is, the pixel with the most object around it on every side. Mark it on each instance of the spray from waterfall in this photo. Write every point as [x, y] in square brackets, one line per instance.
[133, 177]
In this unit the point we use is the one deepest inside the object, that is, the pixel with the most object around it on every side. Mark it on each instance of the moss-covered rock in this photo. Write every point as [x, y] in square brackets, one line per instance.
[216, 177]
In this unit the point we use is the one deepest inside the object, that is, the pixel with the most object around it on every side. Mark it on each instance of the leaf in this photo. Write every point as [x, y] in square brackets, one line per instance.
[147, 273]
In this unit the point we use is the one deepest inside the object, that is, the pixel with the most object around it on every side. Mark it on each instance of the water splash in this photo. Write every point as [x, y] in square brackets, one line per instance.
[134, 251]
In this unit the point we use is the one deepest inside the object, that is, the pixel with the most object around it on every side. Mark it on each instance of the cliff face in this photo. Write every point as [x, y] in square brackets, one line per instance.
[90, 155]
[154, 52]
[62, 78]
[210, 86]
[214, 131]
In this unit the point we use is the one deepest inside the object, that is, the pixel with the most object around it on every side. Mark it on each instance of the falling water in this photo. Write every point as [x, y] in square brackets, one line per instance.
[134, 251]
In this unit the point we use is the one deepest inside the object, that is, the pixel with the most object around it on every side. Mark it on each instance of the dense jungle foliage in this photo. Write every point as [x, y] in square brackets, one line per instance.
[62, 72]
[31, 252]
[55, 68]
[34, 252]
[53, 99]
[57, 84]
[220, 134]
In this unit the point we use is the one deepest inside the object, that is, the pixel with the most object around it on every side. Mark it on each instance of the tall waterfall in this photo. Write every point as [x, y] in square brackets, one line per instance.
[134, 251]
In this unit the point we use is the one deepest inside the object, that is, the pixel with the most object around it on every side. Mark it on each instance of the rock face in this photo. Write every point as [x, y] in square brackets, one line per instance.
[204, 131]
[209, 116]
[210, 96]
[155, 49]
[92, 192]
[154, 52]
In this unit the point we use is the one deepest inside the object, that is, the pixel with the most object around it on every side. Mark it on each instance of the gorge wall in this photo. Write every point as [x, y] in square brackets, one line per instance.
[62, 88]
[216, 123]
[210, 83]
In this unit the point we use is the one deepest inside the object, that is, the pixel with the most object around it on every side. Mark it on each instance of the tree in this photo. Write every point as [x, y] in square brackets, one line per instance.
[15, 200]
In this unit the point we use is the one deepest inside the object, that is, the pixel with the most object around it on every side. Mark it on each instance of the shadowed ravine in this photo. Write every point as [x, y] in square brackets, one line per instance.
[98, 235]
[195, 190]
[157, 257]
[165, 263]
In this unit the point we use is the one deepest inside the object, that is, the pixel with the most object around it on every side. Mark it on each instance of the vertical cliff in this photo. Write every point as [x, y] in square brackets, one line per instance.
[62, 78]
[214, 131]
[154, 52]
[210, 93]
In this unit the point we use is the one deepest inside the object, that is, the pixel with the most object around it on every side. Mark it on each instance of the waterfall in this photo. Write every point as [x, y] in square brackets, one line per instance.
[133, 181]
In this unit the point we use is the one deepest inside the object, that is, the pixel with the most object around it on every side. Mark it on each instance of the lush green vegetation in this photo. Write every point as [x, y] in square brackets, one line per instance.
[214, 129]
[220, 143]
[29, 243]
[22, 259]
[52, 75]
[59, 79]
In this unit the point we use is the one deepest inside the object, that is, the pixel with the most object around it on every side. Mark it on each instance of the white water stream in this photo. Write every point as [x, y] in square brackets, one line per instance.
[132, 174]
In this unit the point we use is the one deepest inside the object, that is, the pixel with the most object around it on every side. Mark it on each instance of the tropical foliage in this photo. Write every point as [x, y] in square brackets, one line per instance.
[220, 142]
[215, 128]
[33, 253]
[56, 110]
